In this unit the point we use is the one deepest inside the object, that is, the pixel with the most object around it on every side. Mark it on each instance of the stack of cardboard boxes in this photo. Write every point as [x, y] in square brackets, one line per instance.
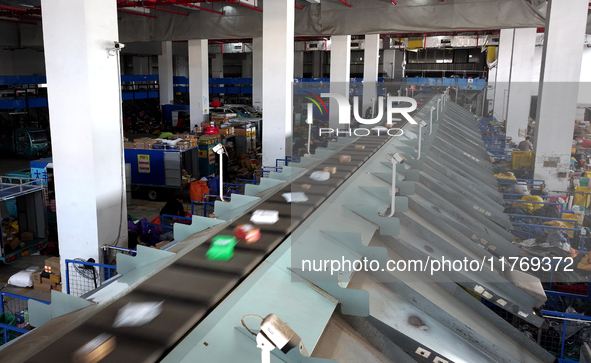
[10, 236]
[141, 143]
[188, 141]
[50, 277]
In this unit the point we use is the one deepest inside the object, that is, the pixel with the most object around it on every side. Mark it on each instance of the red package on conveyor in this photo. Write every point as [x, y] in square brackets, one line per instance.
[247, 233]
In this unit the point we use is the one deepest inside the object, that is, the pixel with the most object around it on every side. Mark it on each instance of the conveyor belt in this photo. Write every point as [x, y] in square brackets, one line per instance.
[192, 286]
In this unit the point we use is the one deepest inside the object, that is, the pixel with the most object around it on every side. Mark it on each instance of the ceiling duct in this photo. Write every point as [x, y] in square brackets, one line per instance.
[321, 45]
[238, 47]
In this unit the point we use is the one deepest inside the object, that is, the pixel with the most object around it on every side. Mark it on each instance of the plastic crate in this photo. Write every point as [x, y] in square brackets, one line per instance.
[522, 160]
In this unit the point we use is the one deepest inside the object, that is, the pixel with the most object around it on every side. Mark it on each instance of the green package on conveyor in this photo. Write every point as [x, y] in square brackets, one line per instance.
[222, 248]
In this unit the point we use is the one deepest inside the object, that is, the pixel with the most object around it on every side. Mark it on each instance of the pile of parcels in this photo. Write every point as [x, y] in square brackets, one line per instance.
[581, 137]
[248, 165]
[48, 278]
[224, 128]
[179, 142]
[11, 237]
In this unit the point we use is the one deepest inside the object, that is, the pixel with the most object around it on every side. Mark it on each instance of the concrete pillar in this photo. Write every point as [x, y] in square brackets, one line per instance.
[490, 91]
[318, 64]
[340, 75]
[84, 95]
[371, 59]
[559, 87]
[217, 66]
[505, 52]
[298, 65]
[165, 74]
[278, 43]
[257, 73]
[247, 66]
[140, 65]
[524, 47]
[198, 81]
[392, 64]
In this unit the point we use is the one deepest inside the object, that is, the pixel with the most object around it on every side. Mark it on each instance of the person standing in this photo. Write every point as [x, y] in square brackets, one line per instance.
[526, 145]
[173, 207]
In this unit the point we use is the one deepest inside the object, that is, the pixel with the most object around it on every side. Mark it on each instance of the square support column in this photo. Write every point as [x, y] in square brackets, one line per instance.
[371, 59]
[198, 81]
[340, 75]
[217, 65]
[84, 95]
[392, 64]
[518, 107]
[559, 88]
[165, 84]
[505, 52]
[278, 44]
[318, 64]
[298, 65]
[257, 73]
[247, 66]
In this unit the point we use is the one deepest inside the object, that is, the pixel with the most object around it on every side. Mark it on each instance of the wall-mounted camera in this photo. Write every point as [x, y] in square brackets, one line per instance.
[399, 158]
[115, 48]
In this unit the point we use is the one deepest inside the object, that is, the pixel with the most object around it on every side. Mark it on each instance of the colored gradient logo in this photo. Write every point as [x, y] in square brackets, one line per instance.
[317, 101]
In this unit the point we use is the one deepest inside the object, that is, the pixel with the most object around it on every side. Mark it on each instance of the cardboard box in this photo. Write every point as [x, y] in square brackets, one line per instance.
[211, 215]
[331, 169]
[95, 350]
[183, 145]
[345, 158]
[54, 264]
[306, 186]
[56, 277]
[159, 245]
[57, 287]
[240, 132]
[48, 281]
[36, 276]
[359, 147]
[26, 236]
[246, 164]
[42, 287]
[129, 145]
[12, 241]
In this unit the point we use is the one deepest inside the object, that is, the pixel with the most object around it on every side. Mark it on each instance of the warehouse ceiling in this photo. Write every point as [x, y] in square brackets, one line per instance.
[160, 20]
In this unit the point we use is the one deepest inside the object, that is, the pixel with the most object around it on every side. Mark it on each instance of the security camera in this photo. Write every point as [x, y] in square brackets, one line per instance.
[119, 45]
[398, 158]
[218, 149]
[281, 335]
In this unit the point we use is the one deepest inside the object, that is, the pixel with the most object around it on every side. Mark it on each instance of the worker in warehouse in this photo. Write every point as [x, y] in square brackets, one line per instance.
[526, 145]
[173, 207]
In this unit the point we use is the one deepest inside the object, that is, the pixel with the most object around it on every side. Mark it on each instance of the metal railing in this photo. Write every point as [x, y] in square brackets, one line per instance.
[83, 277]
[11, 187]
[520, 216]
[517, 202]
[202, 207]
[16, 307]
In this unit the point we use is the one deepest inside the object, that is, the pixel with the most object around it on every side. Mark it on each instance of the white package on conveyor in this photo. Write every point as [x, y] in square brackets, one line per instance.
[137, 314]
[320, 175]
[264, 216]
[295, 197]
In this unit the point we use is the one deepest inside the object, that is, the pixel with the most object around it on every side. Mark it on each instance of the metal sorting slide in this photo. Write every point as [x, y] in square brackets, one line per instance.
[441, 189]
[192, 286]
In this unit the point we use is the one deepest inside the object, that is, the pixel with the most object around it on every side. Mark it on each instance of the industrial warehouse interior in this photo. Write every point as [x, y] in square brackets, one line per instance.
[380, 181]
